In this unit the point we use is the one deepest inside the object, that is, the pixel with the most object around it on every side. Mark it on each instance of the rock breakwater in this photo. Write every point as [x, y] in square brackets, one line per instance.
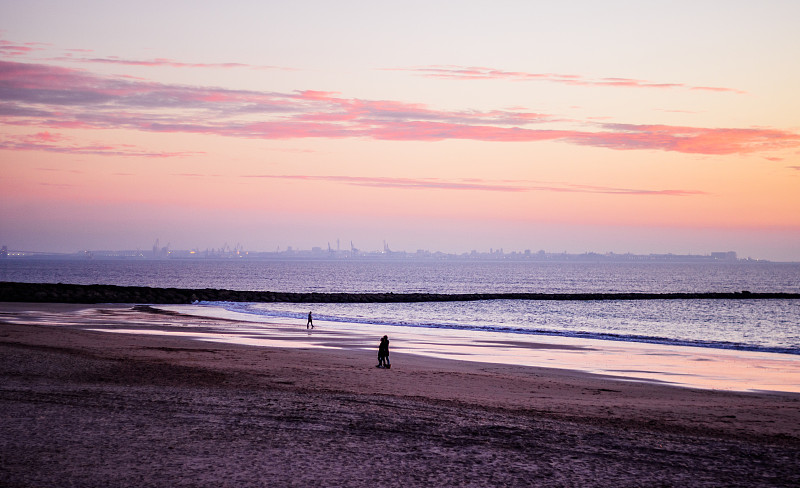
[69, 293]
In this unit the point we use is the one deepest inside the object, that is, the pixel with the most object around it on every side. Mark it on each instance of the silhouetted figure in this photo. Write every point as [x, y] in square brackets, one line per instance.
[310, 322]
[383, 353]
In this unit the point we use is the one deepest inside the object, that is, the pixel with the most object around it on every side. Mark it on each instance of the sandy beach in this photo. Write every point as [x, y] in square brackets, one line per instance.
[83, 407]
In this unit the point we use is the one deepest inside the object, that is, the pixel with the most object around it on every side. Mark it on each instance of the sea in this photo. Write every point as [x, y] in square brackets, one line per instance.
[771, 325]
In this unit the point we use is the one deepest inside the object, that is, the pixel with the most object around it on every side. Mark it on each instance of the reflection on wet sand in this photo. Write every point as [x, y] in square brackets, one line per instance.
[679, 365]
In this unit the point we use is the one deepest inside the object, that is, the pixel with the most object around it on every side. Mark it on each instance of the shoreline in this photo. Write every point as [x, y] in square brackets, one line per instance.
[676, 365]
[169, 411]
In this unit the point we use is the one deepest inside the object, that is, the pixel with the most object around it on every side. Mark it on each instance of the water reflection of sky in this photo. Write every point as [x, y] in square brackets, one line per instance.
[694, 367]
[680, 365]
[765, 325]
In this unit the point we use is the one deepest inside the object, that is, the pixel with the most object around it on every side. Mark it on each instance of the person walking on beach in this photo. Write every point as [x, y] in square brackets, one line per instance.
[383, 353]
[310, 322]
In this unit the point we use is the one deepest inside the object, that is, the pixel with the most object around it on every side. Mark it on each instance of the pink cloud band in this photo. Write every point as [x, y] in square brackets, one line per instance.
[41, 95]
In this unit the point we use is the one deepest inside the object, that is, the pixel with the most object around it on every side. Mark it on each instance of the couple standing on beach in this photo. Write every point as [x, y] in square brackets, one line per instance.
[383, 353]
[383, 347]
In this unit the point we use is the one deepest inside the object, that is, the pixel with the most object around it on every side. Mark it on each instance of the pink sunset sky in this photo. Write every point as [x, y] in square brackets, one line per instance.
[564, 126]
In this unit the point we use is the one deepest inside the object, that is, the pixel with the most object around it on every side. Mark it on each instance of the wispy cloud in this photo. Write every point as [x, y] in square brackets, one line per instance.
[406, 183]
[15, 49]
[11, 49]
[696, 140]
[471, 73]
[49, 142]
[55, 97]
[171, 63]
[58, 186]
[474, 185]
[60, 170]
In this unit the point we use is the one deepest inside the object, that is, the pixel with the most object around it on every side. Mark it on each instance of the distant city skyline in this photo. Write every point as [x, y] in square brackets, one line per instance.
[351, 252]
[371, 247]
[575, 127]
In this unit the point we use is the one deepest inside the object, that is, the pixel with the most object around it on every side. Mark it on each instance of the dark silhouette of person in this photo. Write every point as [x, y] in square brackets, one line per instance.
[383, 353]
[310, 322]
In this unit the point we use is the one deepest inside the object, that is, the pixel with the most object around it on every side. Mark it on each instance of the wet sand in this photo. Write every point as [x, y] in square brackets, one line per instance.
[88, 408]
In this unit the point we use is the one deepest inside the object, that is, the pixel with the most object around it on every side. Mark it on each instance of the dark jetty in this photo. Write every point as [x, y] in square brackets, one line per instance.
[65, 293]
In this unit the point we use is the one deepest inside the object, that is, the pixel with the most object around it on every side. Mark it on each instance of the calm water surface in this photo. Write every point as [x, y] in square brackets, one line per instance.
[404, 277]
